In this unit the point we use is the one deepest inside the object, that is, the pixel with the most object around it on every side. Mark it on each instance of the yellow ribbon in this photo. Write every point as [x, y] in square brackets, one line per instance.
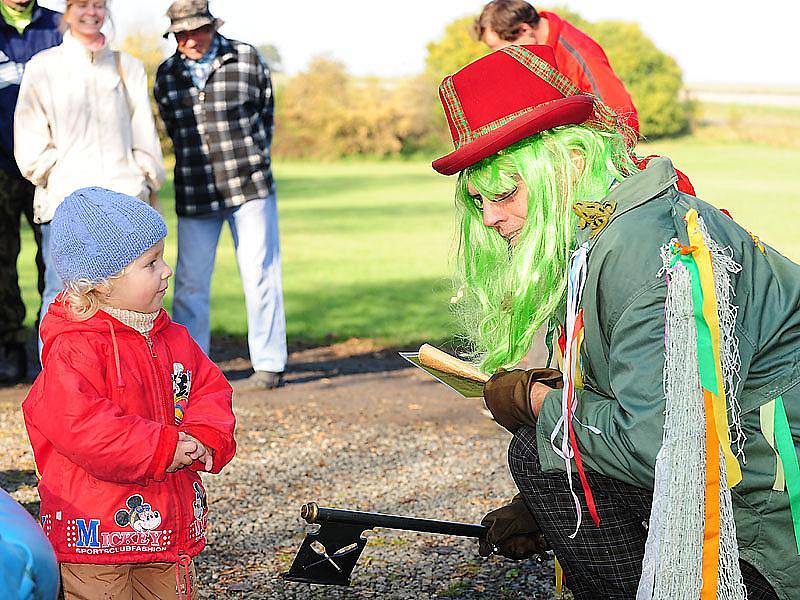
[702, 256]
[559, 579]
[578, 375]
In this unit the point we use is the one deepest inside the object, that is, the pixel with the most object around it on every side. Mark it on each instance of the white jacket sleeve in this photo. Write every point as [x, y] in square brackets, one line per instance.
[146, 145]
[34, 144]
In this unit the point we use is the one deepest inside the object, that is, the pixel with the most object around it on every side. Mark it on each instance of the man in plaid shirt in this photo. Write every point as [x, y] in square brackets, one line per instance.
[215, 97]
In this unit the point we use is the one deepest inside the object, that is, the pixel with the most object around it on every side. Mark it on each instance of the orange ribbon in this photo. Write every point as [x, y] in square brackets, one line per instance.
[710, 569]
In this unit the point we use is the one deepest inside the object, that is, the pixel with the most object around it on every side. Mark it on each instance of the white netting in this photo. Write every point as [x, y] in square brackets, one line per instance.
[730, 585]
[671, 566]
[671, 569]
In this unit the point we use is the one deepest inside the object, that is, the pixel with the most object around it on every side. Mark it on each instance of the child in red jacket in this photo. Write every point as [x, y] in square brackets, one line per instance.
[126, 411]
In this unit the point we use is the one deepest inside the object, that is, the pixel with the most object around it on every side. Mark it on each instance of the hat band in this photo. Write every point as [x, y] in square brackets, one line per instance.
[497, 123]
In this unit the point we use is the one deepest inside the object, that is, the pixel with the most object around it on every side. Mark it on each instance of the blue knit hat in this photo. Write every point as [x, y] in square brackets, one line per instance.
[95, 232]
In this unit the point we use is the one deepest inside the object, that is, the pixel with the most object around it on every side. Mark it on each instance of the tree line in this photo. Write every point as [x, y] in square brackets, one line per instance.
[325, 112]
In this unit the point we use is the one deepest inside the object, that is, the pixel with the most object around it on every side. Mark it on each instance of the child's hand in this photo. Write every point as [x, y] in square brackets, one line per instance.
[202, 453]
[186, 446]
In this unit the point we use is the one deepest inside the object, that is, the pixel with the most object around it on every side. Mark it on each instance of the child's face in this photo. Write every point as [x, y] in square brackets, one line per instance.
[144, 283]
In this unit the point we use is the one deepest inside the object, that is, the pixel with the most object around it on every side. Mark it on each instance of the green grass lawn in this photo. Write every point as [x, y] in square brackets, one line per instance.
[757, 184]
[366, 245]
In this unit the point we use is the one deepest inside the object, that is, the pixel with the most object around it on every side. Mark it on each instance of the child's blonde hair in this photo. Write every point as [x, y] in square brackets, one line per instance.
[83, 299]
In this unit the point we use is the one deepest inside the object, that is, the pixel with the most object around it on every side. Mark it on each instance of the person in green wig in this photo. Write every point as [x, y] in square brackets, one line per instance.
[677, 409]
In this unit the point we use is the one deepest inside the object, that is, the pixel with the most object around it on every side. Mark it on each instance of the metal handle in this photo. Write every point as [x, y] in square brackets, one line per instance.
[313, 513]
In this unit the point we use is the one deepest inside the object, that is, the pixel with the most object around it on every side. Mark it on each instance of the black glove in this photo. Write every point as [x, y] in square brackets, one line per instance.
[513, 532]
[508, 395]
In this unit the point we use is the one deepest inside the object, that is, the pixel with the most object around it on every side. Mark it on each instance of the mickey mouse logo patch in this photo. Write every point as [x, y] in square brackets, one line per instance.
[200, 508]
[181, 386]
[200, 504]
[139, 515]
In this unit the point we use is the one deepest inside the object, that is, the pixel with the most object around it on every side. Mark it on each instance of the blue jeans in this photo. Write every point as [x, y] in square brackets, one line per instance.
[52, 282]
[254, 227]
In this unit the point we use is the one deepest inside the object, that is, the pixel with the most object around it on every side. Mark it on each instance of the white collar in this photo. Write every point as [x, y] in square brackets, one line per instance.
[72, 45]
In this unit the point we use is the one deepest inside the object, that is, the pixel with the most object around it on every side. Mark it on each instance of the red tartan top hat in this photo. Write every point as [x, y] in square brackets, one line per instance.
[506, 96]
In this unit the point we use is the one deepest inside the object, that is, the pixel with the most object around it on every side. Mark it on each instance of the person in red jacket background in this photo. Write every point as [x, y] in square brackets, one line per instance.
[505, 22]
[126, 411]
[579, 57]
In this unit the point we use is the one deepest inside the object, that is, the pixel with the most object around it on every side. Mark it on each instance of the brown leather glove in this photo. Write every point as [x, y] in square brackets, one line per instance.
[513, 532]
[508, 395]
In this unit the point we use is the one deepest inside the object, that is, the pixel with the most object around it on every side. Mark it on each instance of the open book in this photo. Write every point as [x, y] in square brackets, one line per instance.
[460, 376]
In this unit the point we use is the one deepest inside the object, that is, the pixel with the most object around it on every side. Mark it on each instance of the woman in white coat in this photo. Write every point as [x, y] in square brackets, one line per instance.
[84, 119]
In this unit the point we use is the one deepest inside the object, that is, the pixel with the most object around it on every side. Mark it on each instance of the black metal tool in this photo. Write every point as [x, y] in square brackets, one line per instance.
[328, 556]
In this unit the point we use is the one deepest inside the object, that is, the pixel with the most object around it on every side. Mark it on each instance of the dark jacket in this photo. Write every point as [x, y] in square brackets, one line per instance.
[622, 358]
[221, 133]
[15, 51]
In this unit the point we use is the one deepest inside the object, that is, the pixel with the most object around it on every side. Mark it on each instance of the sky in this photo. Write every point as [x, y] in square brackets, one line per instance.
[714, 41]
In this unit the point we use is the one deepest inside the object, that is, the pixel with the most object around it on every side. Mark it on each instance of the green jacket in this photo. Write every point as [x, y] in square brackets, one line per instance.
[623, 357]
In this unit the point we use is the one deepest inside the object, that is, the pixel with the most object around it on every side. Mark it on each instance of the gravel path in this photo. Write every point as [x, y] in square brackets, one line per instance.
[353, 428]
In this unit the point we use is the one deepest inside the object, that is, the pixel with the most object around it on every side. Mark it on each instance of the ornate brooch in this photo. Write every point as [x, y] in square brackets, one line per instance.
[594, 215]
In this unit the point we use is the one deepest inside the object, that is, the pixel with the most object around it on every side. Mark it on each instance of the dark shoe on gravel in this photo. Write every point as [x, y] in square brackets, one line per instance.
[264, 380]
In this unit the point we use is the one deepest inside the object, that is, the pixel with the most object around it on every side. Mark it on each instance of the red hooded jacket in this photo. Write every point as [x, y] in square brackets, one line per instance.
[103, 418]
[582, 59]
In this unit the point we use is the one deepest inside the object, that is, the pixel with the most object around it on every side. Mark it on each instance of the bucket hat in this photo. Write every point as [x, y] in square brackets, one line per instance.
[187, 15]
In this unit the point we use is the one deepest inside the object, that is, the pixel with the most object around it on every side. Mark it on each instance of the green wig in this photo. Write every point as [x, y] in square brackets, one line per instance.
[508, 291]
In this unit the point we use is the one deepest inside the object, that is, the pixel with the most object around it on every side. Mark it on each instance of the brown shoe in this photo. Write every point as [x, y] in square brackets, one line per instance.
[264, 380]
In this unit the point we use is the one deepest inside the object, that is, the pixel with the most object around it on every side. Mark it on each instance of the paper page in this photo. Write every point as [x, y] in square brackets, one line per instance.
[461, 385]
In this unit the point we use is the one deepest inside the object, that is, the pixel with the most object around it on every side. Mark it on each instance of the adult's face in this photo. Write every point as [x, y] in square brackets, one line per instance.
[195, 43]
[85, 17]
[18, 5]
[495, 42]
[505, 214]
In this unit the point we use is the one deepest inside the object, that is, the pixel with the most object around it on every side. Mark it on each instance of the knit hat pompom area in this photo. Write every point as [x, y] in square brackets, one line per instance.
[96, 232]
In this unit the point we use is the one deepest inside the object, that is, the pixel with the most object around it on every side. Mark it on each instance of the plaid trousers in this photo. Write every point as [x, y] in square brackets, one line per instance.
[600, 562]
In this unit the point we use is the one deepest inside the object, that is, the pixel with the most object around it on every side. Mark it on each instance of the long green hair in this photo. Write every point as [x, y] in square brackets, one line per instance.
[507, 292]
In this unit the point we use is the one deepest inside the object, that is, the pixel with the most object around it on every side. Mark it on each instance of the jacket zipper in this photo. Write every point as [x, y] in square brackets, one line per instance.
[167, 406]
[183, 576]
[95, 111]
